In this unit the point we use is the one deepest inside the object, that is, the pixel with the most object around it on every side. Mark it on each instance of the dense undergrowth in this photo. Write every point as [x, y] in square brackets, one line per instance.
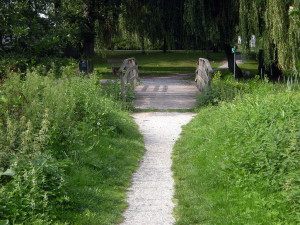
[238, 161]
[68, 149]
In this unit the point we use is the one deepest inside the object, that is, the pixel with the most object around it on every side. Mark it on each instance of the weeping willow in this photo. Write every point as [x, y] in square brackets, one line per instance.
[154, 20]
[276, 26]
[212, 20]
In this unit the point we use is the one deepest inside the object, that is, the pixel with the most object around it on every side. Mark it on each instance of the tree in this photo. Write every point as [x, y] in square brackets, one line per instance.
[39, 28]
[275, 24]
[213, 23]
[169, 23]
[137, 19]
[29, 27]
[158, 20]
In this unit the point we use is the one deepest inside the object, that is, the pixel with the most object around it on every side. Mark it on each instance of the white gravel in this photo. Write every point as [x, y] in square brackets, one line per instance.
[150, 197]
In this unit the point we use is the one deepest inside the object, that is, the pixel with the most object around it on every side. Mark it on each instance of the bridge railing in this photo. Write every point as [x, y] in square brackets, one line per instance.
[203, 74]
[129, 76]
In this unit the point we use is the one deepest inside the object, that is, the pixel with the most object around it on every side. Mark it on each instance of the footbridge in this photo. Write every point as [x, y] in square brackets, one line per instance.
[164, 92]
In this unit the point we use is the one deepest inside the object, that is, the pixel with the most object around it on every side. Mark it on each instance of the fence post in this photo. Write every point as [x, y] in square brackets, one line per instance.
[130, 76]
[203, 74]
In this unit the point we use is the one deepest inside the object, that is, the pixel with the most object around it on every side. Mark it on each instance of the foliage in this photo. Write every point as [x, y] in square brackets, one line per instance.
[227, 89]
[36, 28]
[12, 62]
[32, 181]
[36, 191]
[158, 63]
[50, 127]
[242, 167]
[135, 17]
[56, 28]
[275, 24]
[161, 22]
[218, 31]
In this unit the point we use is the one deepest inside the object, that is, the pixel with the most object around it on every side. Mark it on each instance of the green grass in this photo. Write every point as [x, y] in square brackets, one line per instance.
[247, 66]
[238, 162]
[251, 66]
[98, 180]
[74, 137]
[158, 63]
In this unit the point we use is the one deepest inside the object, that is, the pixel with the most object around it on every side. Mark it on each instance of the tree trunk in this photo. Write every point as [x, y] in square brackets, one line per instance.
[165, 48]
[261, 66]
[89, 51]
[142, 40]
[57, 4]
[88, 33]
[72, 51]
[273, 71]
[231, 63]
[1, 45]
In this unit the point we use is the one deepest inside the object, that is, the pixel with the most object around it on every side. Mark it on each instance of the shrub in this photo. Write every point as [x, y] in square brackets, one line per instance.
[13, 63]
[31, 180]
[50, 126]
[242, 166]
[35, 192]
[71, 100]
[227, 89]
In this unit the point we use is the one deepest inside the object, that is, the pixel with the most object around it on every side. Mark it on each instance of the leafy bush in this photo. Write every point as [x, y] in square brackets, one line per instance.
[31, 180]
[18, 138]
[35, 192]
[226, 89]
[13, 63]
[48, 127]
[70, 100]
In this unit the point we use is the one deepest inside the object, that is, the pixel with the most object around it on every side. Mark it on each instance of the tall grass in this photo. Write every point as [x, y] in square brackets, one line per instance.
[66, 145]
[238, 162]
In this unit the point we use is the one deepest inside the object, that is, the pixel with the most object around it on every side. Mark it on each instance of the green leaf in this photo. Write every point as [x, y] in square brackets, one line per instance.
[4, 222]
[2, 99]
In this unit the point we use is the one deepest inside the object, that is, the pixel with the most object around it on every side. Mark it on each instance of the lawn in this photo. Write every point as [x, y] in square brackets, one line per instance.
[157, 62]
[251, 66]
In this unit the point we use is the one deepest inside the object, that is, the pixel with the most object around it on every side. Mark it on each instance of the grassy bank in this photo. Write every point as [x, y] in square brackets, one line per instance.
[68, 149]
[237, 162]
[157, 62]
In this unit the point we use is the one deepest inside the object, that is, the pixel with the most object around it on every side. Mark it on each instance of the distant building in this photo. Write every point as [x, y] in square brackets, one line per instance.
[252, 42]
[239, 40]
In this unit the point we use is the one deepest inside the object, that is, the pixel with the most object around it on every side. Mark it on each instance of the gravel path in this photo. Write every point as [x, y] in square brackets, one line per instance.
[150, 197]
[151, 194]
[239, 60]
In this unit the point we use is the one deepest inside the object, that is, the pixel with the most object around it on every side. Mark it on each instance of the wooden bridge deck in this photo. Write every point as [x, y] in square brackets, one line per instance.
[166, 92]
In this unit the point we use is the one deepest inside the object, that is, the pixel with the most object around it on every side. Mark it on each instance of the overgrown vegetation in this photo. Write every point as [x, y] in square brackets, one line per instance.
[238, 161]
[66, 145]
[225, 89]
[276, 27]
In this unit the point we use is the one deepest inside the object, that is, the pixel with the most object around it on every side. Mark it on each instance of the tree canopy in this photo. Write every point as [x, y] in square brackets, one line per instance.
[276, 26]
[38, 28]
